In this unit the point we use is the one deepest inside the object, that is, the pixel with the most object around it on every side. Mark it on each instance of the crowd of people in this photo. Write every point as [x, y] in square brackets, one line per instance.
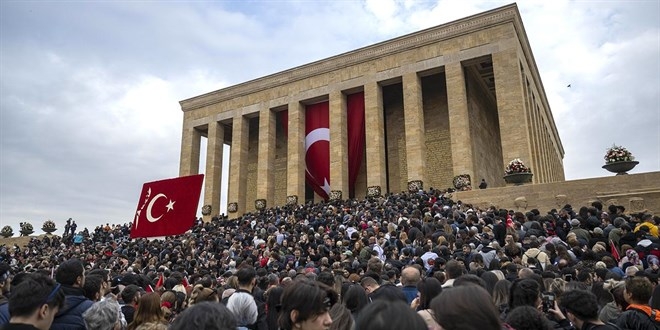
[402, 261]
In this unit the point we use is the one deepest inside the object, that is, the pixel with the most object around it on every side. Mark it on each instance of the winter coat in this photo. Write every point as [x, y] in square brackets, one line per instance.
[639, 317]
[75, 304]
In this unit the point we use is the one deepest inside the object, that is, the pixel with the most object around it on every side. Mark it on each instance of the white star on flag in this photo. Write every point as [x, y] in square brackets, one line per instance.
[170, 206]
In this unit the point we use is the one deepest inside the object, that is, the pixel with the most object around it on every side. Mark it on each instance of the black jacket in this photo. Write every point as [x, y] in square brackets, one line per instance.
[17, 326]
[639, 318]
[75, 304]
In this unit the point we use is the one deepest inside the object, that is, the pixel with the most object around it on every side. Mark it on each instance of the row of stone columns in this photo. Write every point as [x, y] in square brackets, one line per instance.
[509, 92]
[375, 144]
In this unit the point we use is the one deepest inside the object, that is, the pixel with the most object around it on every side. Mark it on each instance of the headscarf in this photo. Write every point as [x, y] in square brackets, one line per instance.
[633, 257]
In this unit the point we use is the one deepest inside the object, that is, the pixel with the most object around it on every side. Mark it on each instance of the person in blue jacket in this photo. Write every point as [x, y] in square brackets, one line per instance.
[70, 274]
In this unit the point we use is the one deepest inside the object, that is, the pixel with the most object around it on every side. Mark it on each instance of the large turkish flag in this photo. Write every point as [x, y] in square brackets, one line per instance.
[317, 147]
[167, 207]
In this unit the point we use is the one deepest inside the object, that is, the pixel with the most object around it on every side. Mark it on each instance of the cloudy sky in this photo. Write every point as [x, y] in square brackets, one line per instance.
[89, 91]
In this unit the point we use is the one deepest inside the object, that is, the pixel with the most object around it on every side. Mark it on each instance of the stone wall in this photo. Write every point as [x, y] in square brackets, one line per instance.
[253, 156]
[395, 137]
[439, 167]
[280, 164]
[361, 180]
[634, 191]
[485, 133]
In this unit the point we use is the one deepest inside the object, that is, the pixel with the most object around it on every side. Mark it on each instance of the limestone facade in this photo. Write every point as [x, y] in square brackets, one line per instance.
[636, 192]
[460, 98]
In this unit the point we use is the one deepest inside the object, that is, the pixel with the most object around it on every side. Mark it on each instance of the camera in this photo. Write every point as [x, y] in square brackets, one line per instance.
[548, 300]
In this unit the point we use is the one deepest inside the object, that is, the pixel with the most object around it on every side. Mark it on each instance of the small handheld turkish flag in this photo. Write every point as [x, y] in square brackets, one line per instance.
[167, 207]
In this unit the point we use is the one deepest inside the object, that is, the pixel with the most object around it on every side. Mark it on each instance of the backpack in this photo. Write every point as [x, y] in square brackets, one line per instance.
[537, 264]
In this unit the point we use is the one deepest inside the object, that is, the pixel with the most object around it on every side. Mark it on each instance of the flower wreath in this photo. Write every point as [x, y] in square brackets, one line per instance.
[206, 209]
[462, 182]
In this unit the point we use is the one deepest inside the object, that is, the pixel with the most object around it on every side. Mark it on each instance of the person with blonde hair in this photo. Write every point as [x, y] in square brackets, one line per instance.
[149, 315]
[169, 304]
[611, 310]
[557, 286]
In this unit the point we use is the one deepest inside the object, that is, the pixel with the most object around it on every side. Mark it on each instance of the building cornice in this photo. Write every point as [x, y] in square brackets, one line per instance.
[536, 76]
[505, 14]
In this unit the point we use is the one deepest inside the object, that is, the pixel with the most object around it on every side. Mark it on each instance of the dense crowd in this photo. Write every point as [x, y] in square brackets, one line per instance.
[402, 261]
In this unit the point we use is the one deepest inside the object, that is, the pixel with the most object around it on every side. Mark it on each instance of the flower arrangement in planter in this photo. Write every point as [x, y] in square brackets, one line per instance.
[7, 231]
[619, 160]
[48, 226]
[517, 173]
[618, 154]
[516, 166]
[26, 229]
[462, 182]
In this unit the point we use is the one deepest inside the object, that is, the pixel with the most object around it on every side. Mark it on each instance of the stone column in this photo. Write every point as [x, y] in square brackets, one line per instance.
[295, 175]
[375, 139]
[510, 107]
[238, 166]
[546, 154]
[459, 122]
[414, 128]
[189, 162]
[338, 146]
[266, 156]
[536, 143]
[213, 177]
[533, 127]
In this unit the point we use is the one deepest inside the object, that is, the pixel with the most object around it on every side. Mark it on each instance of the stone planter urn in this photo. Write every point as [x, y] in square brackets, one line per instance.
[48, 230]
[26, 232]
[48, 227]
[620, 168]
[518, 178]
[6, 232]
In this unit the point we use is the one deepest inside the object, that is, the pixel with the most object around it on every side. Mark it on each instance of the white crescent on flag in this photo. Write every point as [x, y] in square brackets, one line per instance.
[150, 216]
[319, 134]
[157, 215]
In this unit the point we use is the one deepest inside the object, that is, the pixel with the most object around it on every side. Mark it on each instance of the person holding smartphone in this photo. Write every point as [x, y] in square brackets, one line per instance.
[527, 292]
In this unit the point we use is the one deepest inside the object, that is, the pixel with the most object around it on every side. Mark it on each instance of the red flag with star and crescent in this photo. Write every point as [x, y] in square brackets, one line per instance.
[317, 147]
[167, 207]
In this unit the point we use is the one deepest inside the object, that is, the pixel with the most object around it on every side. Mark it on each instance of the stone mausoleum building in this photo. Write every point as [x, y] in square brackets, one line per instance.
[460, 98]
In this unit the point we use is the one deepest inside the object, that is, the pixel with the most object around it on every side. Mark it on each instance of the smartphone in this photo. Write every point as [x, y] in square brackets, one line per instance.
[548, 300]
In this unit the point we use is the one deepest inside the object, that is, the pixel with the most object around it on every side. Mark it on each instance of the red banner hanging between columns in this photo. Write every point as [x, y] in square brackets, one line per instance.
[356, 136]
[317, 147]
